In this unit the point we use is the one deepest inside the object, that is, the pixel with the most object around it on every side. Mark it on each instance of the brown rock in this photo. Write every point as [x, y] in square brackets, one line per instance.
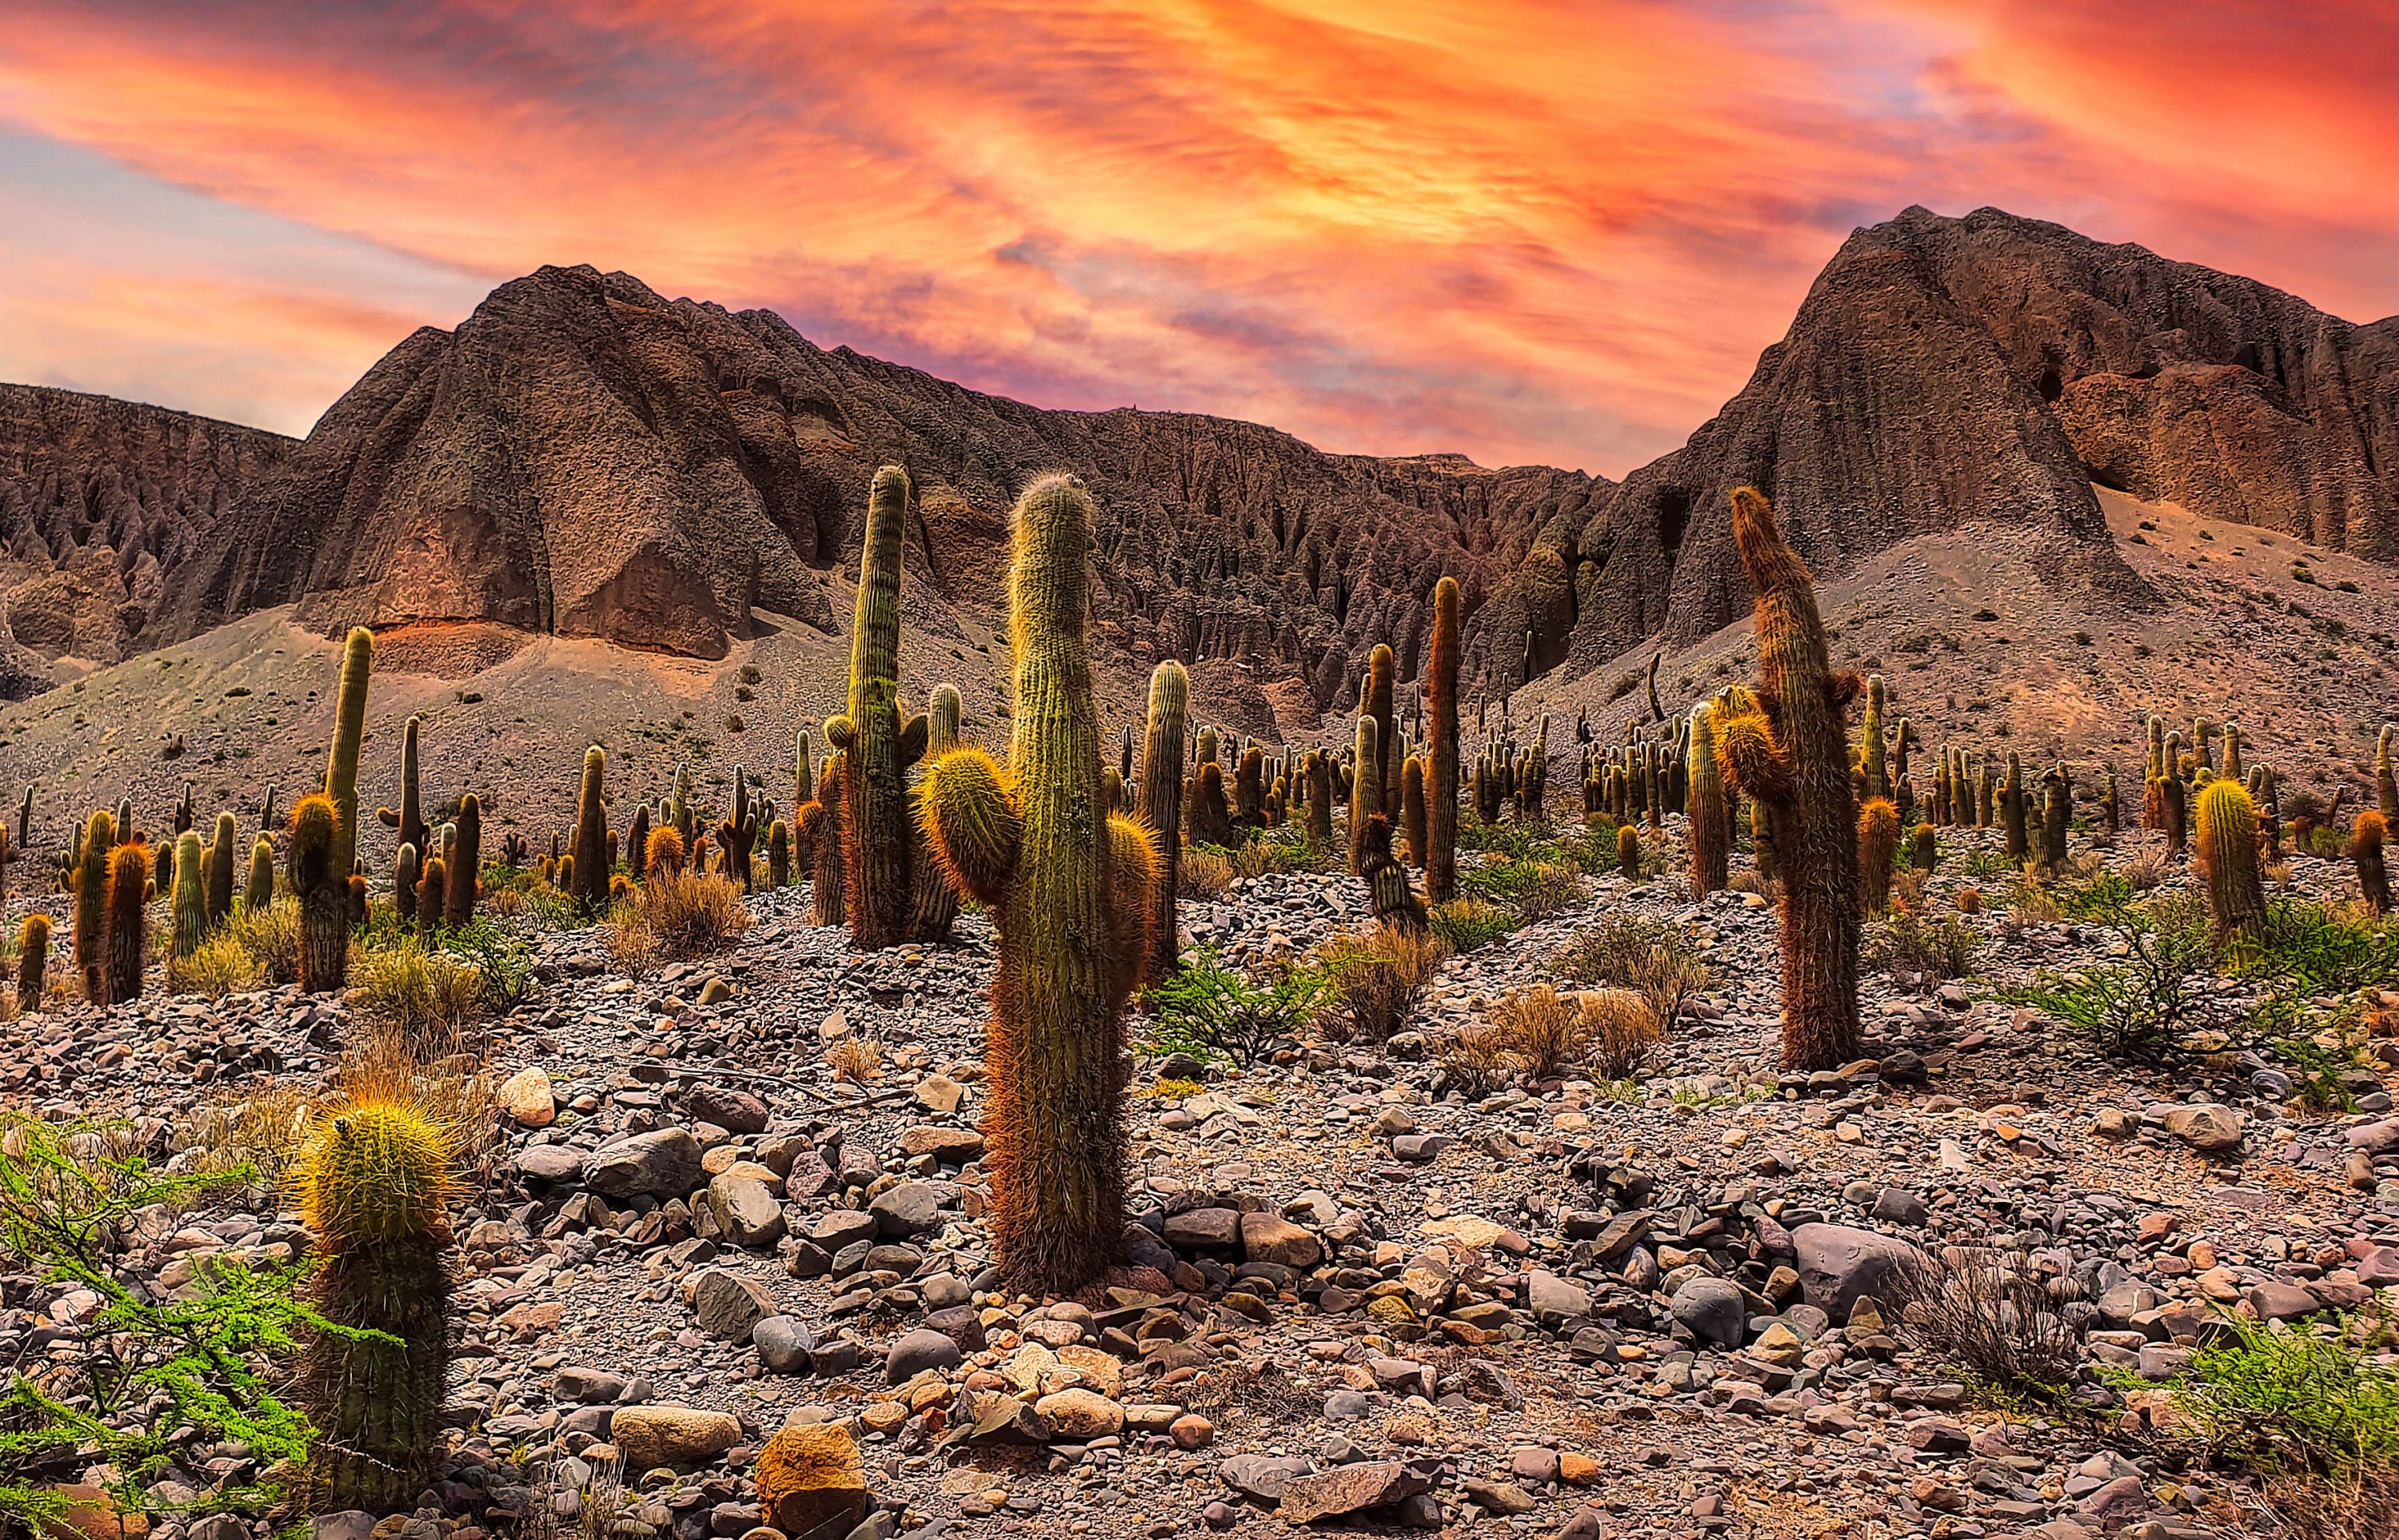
[809, 1479]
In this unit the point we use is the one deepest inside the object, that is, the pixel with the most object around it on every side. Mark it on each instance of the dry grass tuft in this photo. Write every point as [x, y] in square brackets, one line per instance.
[1377, 977]
[855, 1060]
[692, 916]
[221, 966]
[1206, 874]
[421, 996]
[271, 937]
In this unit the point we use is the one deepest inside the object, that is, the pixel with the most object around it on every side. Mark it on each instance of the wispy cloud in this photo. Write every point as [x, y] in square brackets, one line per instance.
[1527, 231]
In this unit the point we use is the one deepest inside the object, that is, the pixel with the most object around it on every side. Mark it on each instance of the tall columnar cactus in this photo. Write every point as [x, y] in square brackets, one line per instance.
[217, 869]
[1317, 771]
[2174, 803]
[1878, 853]
[465, 864]
[258, 893]
[1924, 851]
[91, 905]
[681, 810]
[1793, 757]
[2233, 769]
[1071, 890]
[1207, 813]
[1872, 764]
[374, 1186]
[1366, 791]
[2111, 807]
[1159, 802]
[1249, 789]
[878, 746]
[1710, 821]
[1412, 807]
[737, 834]
[2386, 779]
[2015, 807]
[32, 962]
[128, 898]
[341, 760]
[189, 900]
[2056, 815]
[590, 879]
[408, 818]
[1441, 733]
[935, 909]
[433, 893]
[2368, 837]
[1375, 701]
[2227, 826]
[324, 895]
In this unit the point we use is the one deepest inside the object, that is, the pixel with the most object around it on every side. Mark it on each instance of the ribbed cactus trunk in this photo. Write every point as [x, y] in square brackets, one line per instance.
[1318, 773]
[1375, 700]
[820, 826]
[1794, 760]
[259, 892]
[1440, 734]
[591, 872]
[2227, 824]
[32, 962]
[1366, 791]
[188, 904]
[1878, 853]
[2367, 840]
[737, 834]
[2015, 810]
[129, 899]
[1071, 890]
[1412, 807]
[876, 746]
[324, 895]
[405, 864]
[375, 1189]
[342, 758]
[936, 903]
[1874, 768]
[1710, 834]
[217, 869]
[409, 816]
[91, 905]
[2056, 816]
[1158, 801]
[467, 866]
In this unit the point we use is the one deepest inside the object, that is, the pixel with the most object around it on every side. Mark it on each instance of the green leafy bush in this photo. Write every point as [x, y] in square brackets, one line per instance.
[1214, 1013]
[1467, 924]
[2289, 1400]
[1932, 945]
[1532, 889]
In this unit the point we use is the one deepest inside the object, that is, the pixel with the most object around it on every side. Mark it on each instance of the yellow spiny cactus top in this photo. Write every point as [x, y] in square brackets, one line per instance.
[376, 1172]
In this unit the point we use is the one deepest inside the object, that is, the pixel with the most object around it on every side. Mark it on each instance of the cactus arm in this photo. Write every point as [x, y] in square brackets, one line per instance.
[914, 737]
[836, 731]
[1750, 759]
[972, 823]
[1131, 877]
[388, 818]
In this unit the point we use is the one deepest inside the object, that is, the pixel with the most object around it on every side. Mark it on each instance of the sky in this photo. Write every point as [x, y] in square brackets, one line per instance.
[1528, 232]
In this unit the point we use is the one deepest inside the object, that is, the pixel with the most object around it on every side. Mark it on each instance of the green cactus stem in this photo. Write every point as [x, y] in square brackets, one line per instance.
[2227, 826]
[323, 893]
[590, 876]
[259, 892]
[409, 816]
[877, 747]
[1709, 820]
[91, 905]
[342, 758]
[1158, 802]
[129, 876]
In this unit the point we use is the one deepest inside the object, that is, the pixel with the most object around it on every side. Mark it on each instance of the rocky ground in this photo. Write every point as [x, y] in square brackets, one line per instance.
[1641, 1310]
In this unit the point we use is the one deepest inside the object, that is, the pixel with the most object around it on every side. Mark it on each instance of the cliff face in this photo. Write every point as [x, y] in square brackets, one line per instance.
[1982, 371]
[582, 456]
[99, 500]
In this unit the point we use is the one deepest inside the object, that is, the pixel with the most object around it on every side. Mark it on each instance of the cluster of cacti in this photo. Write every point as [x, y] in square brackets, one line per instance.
[1644, 778]
[1791, 753]
[375, 1186]
[1072, 887]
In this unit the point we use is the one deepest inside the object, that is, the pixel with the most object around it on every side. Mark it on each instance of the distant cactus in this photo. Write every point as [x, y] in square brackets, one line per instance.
[664, 855]
[877, 747]
[32, 961]
[1925, 848]
[737, 834]
[779, 854]
[409, 816]
[589, 877]
[1628, 850]
[259, 892]
[1440, 734]
[1366, 791]
[91, 905]
[433, 893]
[821, 826]
[405, 868]
[1158, 796]
[216, 870]
[323, 893]
[637, 843]
[2173, 813]
[1873, 766]
[2386, 782]
[2111, 809]
[1792, 755]
[129, 867]
[1878, 853]
[1375, 700]
[466, 877]
[1412, 807]
[2227, 826]
[341, 760]
[374, 1187]
[1317, 771]
[1709, 820]
[188, 904]
[2056, 816]
[2367, 839]
[1072, 894]
[1207, 816]
[2016, 808]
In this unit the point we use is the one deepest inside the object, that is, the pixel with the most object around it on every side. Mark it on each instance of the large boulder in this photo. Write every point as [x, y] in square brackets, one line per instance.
[1840, 1265]
[670, 1438]
[811, 1480]
[662, 1165]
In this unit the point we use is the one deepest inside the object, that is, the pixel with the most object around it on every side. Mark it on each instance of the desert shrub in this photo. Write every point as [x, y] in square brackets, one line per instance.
[420, 993]
[221, 966]
[501, 957]
[1623, 1032]
[691, 914]
[633, 947]
[1544, 1029]
[1527, 840]
[271, 937]
[1654, 958]
[1376, 977]
[1479, 1061]
[1994, 1318]
[1531, 889]
[1207, 872]
[195, 1371]
[2289, 1400]
[1985, 863]
[855, 1059]
[1466, 924]
[1931, 947]
[2148, 871]
[1213, 1012]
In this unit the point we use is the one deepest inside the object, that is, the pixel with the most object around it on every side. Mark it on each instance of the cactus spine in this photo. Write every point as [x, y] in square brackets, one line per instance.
[1711, 820]
[876, 747]
[1441, 768]
[189, 905]
[260, 891]
[2226, 824]
[591, 872]
[128, 898]
[1159, 799]
[1793, 757]
[1071, 889]
[374, 1184]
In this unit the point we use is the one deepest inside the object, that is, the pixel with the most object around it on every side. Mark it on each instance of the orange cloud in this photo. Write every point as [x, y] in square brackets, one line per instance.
[1527, 231]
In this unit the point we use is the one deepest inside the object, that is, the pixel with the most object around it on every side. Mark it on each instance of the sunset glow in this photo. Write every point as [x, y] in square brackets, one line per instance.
[1522, 231]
